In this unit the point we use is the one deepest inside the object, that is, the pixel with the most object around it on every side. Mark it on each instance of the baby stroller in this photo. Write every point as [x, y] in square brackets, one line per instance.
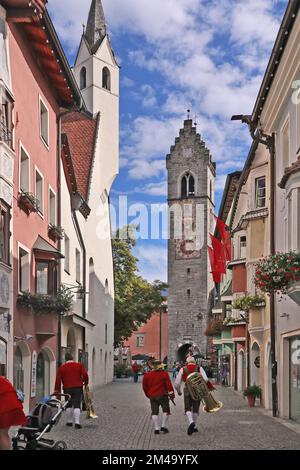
[45, 415]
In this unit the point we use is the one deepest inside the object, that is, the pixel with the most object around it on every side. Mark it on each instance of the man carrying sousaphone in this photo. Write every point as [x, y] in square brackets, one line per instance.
[158, 388]
[191, 405]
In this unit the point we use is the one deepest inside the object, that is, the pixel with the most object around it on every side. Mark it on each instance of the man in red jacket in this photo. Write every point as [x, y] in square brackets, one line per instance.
[158, 388]
[73, 376]
[191, 407]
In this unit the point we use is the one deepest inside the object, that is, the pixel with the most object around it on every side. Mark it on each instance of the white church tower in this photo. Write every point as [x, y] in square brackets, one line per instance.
[97, 74]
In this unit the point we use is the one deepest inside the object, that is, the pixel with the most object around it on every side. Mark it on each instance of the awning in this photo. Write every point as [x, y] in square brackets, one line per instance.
[43, 247]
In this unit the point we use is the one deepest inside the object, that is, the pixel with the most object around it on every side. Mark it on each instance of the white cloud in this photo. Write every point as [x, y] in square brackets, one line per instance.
[153, 189]
[152, 261]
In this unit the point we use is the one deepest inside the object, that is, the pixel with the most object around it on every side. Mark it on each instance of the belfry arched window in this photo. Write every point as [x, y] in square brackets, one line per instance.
[106, 78]
[187, 186]
[82, 78]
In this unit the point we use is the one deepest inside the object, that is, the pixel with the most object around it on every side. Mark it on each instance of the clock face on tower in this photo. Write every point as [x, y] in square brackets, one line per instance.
[188, 246]
[187, 249]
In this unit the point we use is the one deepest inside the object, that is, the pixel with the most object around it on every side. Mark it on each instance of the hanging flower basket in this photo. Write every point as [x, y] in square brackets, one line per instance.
[214, 328]
[278, 272]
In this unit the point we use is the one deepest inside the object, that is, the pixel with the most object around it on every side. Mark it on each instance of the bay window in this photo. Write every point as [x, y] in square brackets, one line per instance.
[46, 277]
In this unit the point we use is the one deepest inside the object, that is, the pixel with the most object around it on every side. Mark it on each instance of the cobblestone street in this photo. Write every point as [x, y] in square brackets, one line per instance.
[125, 423]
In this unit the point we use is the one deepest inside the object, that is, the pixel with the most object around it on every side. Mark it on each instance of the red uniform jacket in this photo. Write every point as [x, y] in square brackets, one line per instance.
[157, 383]
[192, 368]
[135, 368]
[8, 397]
[71, 375]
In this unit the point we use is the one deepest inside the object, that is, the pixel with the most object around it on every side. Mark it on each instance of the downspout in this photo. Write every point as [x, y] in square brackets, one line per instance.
[59, 361]
[59, 116]
[81, 241]
[272, 296]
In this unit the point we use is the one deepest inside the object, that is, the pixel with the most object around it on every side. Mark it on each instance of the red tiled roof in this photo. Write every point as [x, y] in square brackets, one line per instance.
[294, 168]
[81, 130]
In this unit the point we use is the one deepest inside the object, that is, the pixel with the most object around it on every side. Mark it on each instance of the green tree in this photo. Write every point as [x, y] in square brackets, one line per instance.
[135, 298]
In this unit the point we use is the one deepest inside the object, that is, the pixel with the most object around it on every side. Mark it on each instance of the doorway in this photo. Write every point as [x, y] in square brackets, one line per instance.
[42, 376]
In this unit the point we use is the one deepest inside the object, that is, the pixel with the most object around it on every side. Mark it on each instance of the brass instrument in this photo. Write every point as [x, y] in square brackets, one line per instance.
[198, 390]
[90, 413]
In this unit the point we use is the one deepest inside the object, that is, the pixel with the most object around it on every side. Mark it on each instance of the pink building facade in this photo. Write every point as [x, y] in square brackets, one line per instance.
[151, 339]
[41, 89]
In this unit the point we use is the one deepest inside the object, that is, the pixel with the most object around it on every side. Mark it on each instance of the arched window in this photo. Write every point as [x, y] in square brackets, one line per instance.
[82, 78]
[106, 78]
[187, 186]
[106, 286]
[191, 182]
[184, 185]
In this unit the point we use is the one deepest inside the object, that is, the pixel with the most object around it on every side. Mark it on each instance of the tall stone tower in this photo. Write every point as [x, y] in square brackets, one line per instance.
[191, 175]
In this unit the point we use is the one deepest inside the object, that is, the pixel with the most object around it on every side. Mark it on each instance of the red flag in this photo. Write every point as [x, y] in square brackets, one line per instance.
[219, 255]
[216, 275]
[225, 236]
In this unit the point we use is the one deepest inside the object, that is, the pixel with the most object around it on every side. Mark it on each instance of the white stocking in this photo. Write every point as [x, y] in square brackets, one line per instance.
[77, 415]
[195, 417]
[190, 416]
[69, 413]
[156, 423]
[165, 420]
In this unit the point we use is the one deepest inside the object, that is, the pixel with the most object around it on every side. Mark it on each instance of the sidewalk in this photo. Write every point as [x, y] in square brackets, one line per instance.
[125, 423]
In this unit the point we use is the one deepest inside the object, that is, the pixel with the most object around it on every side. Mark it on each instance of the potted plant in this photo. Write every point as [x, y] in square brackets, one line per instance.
[56, 232]
[28, 202]
[252, 392]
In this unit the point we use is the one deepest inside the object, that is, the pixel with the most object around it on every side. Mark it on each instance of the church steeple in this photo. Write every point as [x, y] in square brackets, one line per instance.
[96, 25]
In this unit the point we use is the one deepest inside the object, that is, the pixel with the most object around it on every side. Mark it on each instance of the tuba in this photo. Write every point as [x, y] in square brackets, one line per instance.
[198, 390]
[90, 413]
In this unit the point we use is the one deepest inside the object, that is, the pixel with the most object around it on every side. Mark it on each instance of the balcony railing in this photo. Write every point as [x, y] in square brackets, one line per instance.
[5, 135]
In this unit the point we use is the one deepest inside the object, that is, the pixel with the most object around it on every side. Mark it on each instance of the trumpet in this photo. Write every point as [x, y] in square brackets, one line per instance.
[90, 413]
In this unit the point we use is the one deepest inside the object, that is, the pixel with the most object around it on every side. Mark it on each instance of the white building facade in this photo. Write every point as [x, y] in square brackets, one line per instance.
[280, 114]
[89, 329]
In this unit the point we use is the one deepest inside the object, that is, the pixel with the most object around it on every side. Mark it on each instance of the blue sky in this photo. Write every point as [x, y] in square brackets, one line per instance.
[206, 55]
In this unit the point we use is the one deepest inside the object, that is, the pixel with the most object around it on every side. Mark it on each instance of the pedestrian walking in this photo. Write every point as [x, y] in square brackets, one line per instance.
[158, 388]
[72, 375]
[11, 412]
[224, 372]
[135, 369]
[191, 407]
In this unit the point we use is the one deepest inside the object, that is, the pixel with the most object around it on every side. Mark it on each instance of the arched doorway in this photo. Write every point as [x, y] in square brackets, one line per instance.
[182, 352]
[268, 377]
[18, 370]
[3, 357]
[22, 371]
[255, 364]
[71, 343]
[42, 375]
[241, 371]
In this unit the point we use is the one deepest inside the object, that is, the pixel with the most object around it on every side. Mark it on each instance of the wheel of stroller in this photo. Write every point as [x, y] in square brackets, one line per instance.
[60, 445]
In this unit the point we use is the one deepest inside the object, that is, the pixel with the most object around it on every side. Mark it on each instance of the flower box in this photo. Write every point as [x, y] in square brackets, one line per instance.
[55, 232]
[46, 324]
[28, 202]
